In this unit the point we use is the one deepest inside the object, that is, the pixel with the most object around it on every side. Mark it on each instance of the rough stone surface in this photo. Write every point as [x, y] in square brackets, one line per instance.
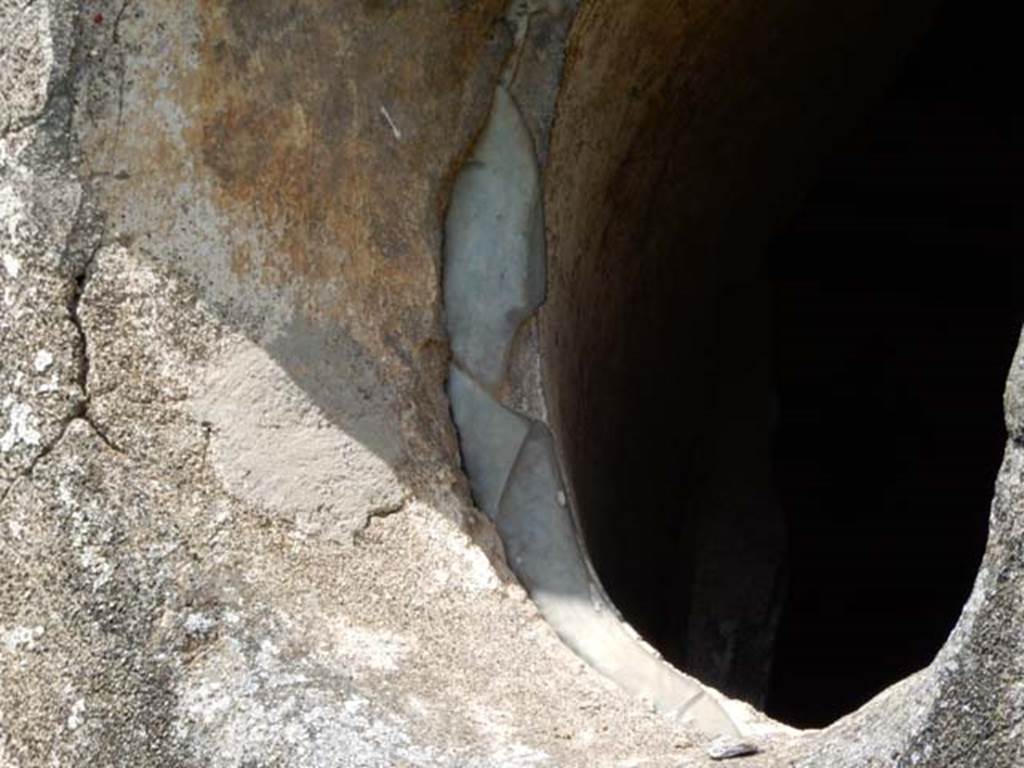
[211, 204]
[231, 528]
[41, 362]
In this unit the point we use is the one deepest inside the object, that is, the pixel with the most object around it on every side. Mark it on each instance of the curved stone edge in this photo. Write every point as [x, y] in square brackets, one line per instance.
[494, 279]
[544, 551]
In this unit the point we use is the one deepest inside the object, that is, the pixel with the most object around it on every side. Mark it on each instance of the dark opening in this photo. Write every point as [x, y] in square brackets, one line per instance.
[898, 302]
[782, 438]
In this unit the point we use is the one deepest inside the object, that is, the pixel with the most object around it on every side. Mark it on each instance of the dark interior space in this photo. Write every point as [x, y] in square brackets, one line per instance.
[898, 302]
[776, 367]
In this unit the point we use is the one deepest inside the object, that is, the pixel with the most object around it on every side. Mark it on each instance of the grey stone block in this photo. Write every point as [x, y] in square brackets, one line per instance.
[490, 436]
[494, 245]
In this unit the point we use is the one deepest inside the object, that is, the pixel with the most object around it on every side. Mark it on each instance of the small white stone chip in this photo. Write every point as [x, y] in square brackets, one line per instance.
[76, 718]
[42, 361]
[11, 264]
[21, 427]
[196, 624]
[20, 638]
[726, 747]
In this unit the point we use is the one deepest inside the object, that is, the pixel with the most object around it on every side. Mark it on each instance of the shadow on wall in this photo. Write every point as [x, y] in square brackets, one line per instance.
[310, 118]
[284, 159]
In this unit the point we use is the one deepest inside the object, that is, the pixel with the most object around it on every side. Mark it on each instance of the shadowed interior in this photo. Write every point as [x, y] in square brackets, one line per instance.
[782, 304]
[898, 301]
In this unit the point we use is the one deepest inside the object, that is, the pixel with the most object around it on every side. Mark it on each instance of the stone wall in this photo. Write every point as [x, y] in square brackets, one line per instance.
[235, 526]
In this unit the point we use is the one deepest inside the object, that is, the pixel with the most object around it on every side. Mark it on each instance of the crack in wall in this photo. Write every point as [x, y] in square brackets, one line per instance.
[82, 407]
[119, 69]
[55, 120]
[43, 452]
[378, 514]
[80, 411]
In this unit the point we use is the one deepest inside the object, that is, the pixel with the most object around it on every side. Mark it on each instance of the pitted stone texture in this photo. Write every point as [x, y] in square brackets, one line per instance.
[302, 676]
[494, 245]
[94, 571]
[28, 59]
[40, 364]
[1013, 397]
[490, 435]
[152, 615]
[183, 627]
[149, 621]
[128, 309]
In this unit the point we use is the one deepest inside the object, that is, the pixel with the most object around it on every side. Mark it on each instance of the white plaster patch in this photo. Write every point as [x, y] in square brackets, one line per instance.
[50, 385]
[21, 426]
[97, 565]
[11, 264]
[469, 561]
[77, 715]
[12, 211]
[66, 496]
[42, 361]
[519, 756]
[479, 573]
[497, 728]
[16, 528]
[196, 624]
[12, 214]
[381, 651]
[20, 638]
[236, 708]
